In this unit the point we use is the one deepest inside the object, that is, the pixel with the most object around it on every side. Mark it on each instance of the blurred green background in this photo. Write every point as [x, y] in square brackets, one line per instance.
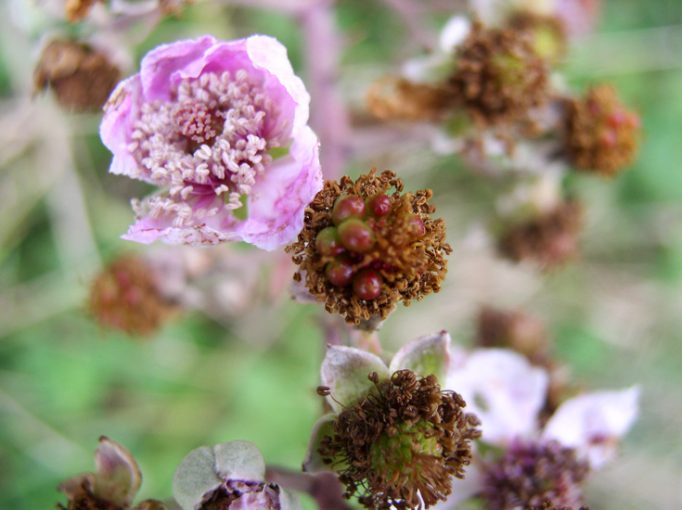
[616, 314]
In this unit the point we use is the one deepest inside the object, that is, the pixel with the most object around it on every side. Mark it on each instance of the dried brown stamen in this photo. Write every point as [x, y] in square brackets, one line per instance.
[402, 443]
[362, 262]
[498, 77]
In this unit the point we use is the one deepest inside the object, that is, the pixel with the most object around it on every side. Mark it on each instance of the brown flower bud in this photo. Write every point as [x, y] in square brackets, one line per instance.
[80, 76]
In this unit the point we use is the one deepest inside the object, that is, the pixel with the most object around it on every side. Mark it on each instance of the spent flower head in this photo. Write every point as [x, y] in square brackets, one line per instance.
[366, 245]
[602, 134]
[228, 476]
[127, 296]
[112, 486]
[395, 437]
[221, 127]
[499, 77]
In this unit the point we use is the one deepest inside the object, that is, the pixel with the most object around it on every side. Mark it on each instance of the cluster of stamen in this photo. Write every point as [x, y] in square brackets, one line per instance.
[535, 475]
[601, 133]
[499, 77]
[365, 246]
[400, 446]
[207, 141]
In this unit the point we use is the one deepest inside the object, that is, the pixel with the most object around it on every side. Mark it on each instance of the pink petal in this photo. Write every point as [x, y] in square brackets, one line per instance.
[278, 200]
[120, 114]
[164, 62]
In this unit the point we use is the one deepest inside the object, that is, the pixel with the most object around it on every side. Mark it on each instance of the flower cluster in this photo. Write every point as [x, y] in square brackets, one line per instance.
[365, 246]
[493, 92]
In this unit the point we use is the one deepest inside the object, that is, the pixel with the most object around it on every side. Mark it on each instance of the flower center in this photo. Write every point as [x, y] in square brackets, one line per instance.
[198, 123]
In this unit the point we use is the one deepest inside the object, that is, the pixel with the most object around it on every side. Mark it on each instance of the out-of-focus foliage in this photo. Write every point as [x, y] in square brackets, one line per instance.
[616, 314]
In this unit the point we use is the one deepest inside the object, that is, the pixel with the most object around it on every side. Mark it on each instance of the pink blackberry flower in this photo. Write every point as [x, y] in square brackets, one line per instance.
[221, 127]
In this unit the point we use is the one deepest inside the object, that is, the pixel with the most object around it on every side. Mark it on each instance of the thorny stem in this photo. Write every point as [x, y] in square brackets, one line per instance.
[329, 117]
[324, 488]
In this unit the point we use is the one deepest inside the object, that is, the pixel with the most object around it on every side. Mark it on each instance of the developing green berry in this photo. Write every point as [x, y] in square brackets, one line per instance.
[328, 242]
